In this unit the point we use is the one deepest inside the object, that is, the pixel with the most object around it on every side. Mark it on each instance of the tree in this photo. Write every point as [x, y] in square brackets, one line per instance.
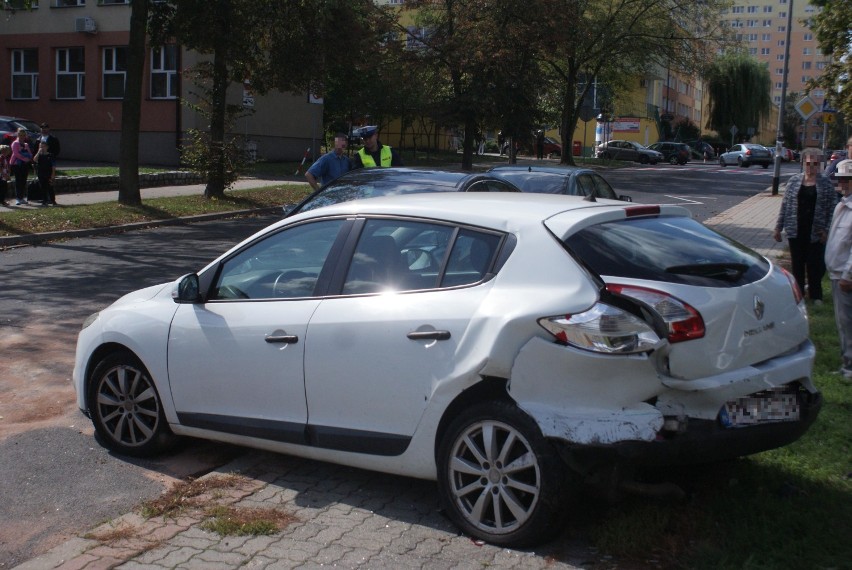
[131, 107]
[831, 26]
[739, 90]
[613, 41]
[286, 46]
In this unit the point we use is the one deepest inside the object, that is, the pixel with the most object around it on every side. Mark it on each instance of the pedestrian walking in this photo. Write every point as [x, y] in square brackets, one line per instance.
[21, 163]
[539, 141]
[838, 261]
[331, 165]
[805, 216]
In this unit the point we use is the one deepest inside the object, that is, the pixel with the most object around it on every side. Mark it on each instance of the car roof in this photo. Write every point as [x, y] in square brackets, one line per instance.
[565, 170]
[507, 211]
[434, 177]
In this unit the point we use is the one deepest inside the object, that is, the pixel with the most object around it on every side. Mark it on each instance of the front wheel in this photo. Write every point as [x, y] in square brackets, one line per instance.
[643, 159]
[500, 480]
[125, 407]
[673, 159]
[722, 162]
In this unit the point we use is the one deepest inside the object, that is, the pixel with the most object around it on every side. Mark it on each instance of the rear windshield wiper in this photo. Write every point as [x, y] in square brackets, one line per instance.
[720, 271]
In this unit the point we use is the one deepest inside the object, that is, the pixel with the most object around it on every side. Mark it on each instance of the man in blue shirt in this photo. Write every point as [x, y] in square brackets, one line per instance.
[331, 165]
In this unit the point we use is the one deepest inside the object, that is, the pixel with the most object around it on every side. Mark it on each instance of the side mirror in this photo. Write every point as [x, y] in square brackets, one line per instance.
[186, 289]
[625, 198]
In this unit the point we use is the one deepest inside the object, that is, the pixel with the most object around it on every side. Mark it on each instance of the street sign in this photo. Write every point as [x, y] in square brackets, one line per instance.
[827, 117]
[806, 107]
[734, 130]
[826, 107]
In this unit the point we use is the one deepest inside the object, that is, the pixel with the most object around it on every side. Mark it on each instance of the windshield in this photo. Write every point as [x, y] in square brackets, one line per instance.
[537, 182]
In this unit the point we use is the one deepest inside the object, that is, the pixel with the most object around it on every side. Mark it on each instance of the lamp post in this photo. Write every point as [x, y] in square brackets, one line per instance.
[779, 137]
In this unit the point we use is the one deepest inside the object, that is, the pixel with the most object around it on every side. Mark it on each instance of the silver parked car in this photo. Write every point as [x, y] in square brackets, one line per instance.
[628, 150]
[507, 345]
[746, 154]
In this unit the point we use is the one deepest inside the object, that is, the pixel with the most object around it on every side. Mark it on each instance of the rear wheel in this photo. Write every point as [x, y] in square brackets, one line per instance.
[125, 407]
[740, 162]
[673, 159]
[500, 480]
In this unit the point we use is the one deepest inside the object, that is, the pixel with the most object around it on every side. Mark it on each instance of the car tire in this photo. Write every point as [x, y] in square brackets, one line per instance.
[740, 162]
[673, 159]
[605, 156]
[126, 408]
[643, 159]
[722, 162]
[765, 166]
[483, 494]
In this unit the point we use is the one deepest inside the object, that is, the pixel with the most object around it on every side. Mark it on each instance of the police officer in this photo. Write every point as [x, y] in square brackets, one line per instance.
[374, 153]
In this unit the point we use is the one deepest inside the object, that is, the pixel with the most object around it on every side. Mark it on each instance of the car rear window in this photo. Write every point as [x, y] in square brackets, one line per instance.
[669, 249]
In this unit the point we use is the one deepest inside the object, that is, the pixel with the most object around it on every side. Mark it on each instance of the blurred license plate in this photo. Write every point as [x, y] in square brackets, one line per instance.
[761, 409]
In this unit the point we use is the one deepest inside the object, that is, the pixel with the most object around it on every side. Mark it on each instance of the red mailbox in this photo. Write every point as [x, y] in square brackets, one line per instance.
[577, 148]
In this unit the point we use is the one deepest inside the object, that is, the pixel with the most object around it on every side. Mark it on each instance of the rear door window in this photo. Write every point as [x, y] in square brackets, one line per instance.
[668, 249]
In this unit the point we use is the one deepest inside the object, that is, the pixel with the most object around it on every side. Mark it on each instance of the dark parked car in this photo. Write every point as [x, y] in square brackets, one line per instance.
[372, 182]
[569, 180]
[628, 150]
[9, 129]
[746, 154]
[673, 152]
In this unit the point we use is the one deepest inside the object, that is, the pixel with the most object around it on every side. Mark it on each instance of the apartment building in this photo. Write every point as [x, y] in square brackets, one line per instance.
[64, 62]
[762, 26]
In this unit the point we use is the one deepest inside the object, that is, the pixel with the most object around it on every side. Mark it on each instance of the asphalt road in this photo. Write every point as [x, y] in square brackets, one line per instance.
[706, 189]
[54, 478]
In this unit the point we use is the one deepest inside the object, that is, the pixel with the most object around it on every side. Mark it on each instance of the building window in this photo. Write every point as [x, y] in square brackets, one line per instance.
[18, 4]
[782, 28]
[806, 51]
[70, 73]
[819, 93]
[781, 43]
[778, 99]
[809, 37]
[767, 23]
[766, 37]
[779, 71]
[164, 77]
[108, 2]
[806, 65]
[738, 9]
[752, 9]
[820, 65]
[68, 3]
[115, 70]
[780, 57]
[767, 8]
[764, 51]
[752, 23]
[752, 51]
[24, 74]
[782, 14]
[779, 85]
[752, 37]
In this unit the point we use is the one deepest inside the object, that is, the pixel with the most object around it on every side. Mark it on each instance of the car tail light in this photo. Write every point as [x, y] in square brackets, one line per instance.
[682, 321]
[748, 152]
[797, 293]
[603, 328]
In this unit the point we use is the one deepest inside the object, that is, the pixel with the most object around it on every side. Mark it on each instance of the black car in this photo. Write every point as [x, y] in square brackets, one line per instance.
[372, 182]
[673, 152]
[569, 180]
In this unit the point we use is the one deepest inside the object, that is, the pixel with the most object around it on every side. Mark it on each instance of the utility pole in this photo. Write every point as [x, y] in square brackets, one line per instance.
[779, 136]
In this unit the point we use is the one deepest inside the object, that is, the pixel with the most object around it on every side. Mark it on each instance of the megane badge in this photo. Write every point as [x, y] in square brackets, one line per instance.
[758, 307]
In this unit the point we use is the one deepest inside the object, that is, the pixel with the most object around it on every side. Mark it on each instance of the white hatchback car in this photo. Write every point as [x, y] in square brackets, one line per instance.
[488, 341]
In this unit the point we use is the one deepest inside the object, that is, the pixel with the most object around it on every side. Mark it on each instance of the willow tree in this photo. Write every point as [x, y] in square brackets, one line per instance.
[739, 90]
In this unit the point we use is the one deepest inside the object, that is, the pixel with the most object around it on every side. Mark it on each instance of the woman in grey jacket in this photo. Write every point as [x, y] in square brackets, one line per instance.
[805, 216]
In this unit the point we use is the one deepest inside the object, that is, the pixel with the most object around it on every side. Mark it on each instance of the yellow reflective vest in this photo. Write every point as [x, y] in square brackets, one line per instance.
[367, 160]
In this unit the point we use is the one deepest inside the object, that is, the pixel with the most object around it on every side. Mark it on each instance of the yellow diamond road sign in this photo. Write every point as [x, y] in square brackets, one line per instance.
[806, 107]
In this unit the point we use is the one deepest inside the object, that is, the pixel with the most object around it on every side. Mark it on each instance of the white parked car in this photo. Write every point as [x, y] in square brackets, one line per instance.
[435, 336]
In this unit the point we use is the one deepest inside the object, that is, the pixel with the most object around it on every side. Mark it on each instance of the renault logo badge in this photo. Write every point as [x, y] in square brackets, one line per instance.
[758, 307]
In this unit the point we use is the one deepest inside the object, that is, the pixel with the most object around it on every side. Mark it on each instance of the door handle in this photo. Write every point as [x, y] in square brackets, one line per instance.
[282, 339]
[429, 335]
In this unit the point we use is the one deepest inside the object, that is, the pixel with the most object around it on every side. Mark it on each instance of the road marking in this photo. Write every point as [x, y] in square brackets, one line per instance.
[685, 199]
